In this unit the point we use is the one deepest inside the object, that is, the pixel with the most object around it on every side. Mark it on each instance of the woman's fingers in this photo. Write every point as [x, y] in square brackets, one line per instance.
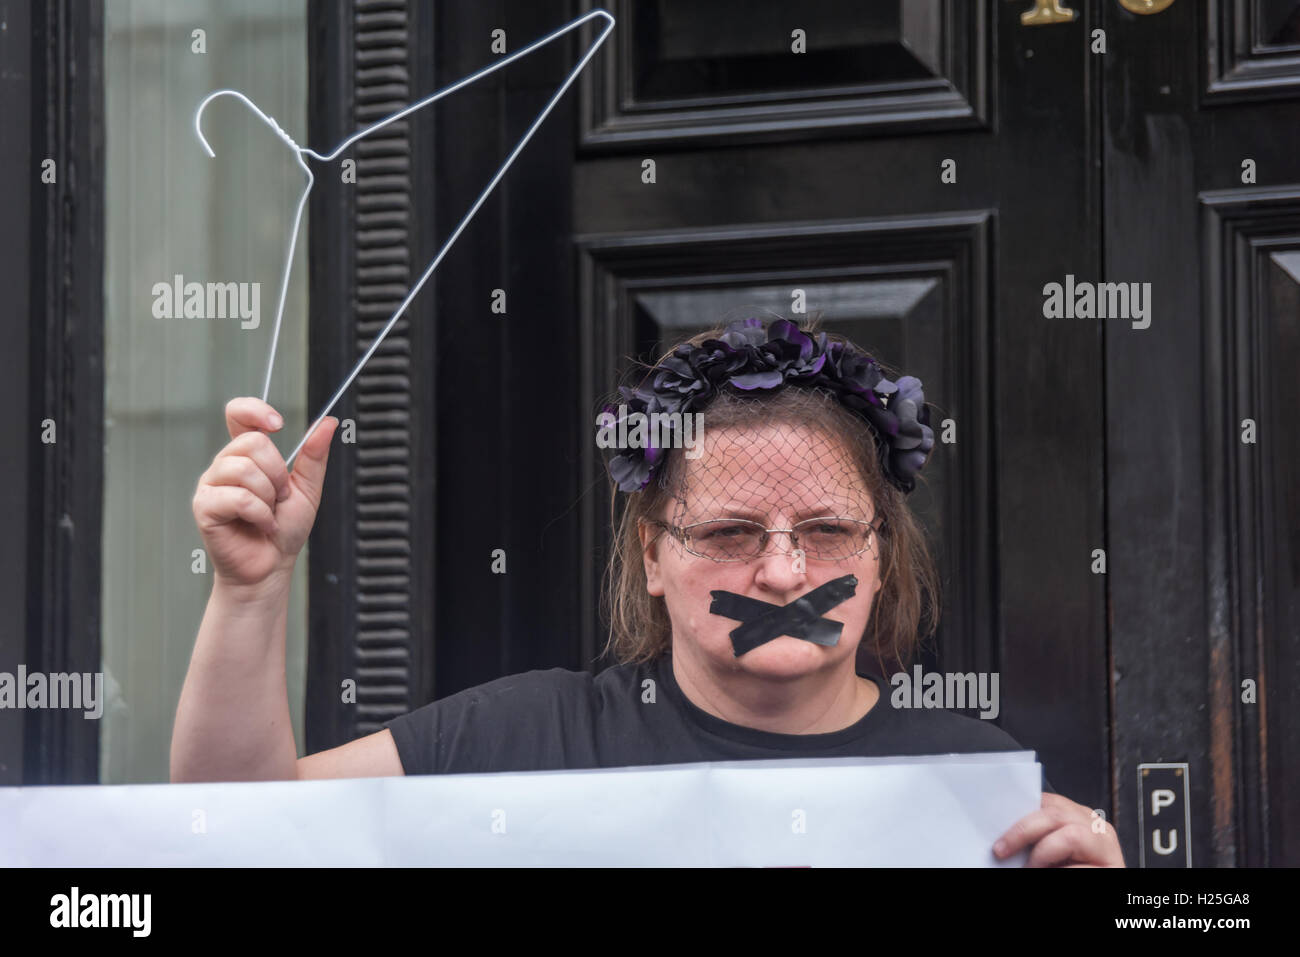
[221, 504]
[246, 414]
[241, 471]
[1032, 827]
[262, 451]
[1061, 831]
[1070, 843]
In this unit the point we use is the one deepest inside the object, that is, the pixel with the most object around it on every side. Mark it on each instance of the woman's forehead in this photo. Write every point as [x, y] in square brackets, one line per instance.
[789, 468]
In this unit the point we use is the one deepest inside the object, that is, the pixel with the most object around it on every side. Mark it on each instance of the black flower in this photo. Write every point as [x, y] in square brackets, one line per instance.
[676, 376]
[748, 357]
[745, 332]
[913, 439]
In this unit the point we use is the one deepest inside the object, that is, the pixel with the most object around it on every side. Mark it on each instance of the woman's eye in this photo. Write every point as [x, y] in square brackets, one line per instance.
[830, 528]
[725, 531]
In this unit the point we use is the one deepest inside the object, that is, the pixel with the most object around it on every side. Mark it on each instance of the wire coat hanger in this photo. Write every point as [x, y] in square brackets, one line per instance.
[301, 152]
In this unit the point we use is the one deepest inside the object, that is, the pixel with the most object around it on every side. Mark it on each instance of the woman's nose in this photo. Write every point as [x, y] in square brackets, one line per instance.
[780, 568]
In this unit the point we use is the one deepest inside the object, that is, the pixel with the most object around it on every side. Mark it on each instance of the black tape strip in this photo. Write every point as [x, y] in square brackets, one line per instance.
[803, 614]
[799, 619]
[821, 631]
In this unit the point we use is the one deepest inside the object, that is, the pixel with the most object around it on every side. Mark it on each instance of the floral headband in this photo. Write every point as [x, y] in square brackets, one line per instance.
[750, 359]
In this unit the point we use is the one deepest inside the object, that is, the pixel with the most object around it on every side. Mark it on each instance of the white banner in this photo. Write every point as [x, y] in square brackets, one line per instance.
[825, 812]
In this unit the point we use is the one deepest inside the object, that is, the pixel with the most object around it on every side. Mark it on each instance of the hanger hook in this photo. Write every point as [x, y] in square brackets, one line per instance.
[268, 120]
[302, 154]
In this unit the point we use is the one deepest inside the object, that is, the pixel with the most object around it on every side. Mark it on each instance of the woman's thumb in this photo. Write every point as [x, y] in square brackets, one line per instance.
[309, 467]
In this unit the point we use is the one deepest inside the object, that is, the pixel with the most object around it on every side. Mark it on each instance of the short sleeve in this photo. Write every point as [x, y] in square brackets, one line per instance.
[534, 721]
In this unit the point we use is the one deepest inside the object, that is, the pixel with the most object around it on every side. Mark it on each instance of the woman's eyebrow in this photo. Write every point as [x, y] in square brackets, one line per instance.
[828, 511]
[734, 510]
[817, 511]
[712, 510]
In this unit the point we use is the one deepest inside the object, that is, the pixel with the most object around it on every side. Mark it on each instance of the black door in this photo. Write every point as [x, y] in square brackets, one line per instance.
[919, 173]
[1202, 200]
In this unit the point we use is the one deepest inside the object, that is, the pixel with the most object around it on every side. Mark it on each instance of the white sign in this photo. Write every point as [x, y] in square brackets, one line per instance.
[826, 812]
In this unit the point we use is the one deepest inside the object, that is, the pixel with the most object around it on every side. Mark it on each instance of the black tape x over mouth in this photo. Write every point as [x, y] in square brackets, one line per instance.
[802, 618]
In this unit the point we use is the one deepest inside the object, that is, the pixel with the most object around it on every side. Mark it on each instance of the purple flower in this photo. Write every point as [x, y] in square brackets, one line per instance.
[767, 379]
[859, 374]
[630, 472]
[746, 332]
[796, 355]
[913, 437]
[676, 375]
[748, 357]
[714, 362]
[786, 335]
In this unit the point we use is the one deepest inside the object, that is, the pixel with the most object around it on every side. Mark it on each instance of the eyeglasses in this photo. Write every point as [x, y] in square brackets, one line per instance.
[829, 539]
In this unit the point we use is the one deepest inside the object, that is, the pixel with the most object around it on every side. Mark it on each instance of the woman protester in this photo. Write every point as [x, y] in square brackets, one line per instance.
[755, 580]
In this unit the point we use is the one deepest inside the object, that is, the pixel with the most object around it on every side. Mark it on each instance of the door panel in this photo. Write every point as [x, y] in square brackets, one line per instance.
[1251, 253]
[912, 290]
[725, 73]
[1201, 524]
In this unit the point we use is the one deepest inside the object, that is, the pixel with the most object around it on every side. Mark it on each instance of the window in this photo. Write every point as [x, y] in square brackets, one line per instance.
[171, 211]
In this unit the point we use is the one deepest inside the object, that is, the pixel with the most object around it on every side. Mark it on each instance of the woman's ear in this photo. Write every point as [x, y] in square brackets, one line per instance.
[650, 555]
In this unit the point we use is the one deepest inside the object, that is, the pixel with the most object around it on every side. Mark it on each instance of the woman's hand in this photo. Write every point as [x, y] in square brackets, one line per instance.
[1063, 834]
[254, 515]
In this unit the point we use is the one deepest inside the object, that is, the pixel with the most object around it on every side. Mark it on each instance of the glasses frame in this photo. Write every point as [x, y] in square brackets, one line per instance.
[682, 534]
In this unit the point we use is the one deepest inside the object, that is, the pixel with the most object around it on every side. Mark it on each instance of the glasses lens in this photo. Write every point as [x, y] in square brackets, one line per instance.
[832, 539]
[727, 540]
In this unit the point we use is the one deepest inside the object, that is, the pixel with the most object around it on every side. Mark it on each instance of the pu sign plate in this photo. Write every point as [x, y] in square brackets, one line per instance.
[1164, 817]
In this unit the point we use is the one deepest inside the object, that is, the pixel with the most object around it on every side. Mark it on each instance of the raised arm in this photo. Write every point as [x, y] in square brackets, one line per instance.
[232, 722]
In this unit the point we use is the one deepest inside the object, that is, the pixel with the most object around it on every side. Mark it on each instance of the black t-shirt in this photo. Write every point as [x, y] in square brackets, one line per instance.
[632, 715]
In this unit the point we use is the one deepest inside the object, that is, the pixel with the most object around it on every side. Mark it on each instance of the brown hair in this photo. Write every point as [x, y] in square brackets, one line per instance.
[906, 609]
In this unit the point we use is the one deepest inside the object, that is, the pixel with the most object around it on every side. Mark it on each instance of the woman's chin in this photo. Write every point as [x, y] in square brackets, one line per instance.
[786, 657]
